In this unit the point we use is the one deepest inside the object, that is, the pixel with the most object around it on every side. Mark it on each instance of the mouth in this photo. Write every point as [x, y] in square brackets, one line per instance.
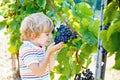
[48, 41]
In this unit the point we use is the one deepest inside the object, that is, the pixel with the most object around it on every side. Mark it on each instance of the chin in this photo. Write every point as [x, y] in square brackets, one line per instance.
[47, 44]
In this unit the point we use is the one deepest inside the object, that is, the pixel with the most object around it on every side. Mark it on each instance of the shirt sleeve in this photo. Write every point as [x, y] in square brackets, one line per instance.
[32, 57]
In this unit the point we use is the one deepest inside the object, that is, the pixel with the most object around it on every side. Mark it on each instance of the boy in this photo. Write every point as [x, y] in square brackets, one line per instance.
[35, 61]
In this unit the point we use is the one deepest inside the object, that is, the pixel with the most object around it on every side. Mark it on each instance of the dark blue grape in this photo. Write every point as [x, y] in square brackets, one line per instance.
[63, 34]
[74, 36]
[106, 27]
[104, 51]
[87, 70]
[86, 75]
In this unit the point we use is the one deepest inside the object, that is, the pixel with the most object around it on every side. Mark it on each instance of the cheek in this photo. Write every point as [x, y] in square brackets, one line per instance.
[43, 40]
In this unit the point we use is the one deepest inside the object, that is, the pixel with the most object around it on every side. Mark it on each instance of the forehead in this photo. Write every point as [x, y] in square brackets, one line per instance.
[47, 29]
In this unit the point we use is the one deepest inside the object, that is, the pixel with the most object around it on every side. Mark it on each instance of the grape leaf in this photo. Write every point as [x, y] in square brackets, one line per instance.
[117, 60]
[52, 75]
[77, 1]
[113, 28]
[42, 3]
[77, 43]
[2, 24]
[66, 69]
[88, 49]
[63, 77]
[65, 5]
[61, 55]
[110, 12]
[83, 9]
[74, 13]
[89, 37]
[111, 44]
[94, 27]
[117, 17]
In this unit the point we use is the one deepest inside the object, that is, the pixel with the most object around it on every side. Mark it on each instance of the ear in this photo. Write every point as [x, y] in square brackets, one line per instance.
[32, 36]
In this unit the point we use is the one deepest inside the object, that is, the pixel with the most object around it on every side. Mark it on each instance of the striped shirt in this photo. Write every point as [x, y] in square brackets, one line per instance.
[28, 54]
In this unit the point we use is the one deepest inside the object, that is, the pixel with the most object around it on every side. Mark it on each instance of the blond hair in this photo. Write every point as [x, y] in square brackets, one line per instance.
[35, 23]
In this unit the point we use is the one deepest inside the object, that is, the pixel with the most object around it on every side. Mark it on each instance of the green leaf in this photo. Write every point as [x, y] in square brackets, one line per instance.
[57, 69]
[51, 13]
[63, 77]
[81, 58]
[117, 60]
[73, 66]
[89, 37]
[65, 69]
[4, 1]
[42, 3]
[89, 60]
[59, 1]
[12, 50]
[52, 75]
[2, 24]
[62, 55]
[115, 41]
[110, 12]
[83, 9]
[13, 25]
[65, 5]
[29, 8]
[77, 43]
[88, 49]
[94, 27]
[74, 12]
[103, 37]
[117, 18]
[112, 37]
[111, 44]
[13, 7]
[21, 1]
[85, 22]
[78, 68]
[113, 28]
[77, 1]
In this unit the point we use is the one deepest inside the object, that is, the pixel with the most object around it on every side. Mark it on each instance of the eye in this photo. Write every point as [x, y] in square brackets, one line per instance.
[47, 34]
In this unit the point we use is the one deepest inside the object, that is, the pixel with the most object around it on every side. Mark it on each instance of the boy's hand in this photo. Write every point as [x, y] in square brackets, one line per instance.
[54, 48]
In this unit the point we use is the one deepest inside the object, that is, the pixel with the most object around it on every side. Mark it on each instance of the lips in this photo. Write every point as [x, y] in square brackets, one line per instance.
[48, 41]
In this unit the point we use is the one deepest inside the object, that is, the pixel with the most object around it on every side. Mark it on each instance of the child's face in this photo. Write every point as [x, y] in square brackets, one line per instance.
[44, 39]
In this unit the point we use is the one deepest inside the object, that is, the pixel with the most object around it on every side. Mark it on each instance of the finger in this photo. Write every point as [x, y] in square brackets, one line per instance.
[52, 44]
[61, 43]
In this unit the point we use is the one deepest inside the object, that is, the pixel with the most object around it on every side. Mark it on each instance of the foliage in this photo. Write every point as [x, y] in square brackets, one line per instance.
[111, 40]
[78, 16]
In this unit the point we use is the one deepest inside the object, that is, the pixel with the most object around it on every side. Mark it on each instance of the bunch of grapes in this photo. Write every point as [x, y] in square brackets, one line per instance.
[86, 75]
[64, 34]
[106, 26]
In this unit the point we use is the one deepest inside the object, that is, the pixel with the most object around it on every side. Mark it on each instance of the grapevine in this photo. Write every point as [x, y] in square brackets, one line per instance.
[64, 34]
[85, 75]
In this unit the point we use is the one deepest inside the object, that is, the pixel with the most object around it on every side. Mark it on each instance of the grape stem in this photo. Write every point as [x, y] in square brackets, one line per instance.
[78, 60]
[49, 2]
